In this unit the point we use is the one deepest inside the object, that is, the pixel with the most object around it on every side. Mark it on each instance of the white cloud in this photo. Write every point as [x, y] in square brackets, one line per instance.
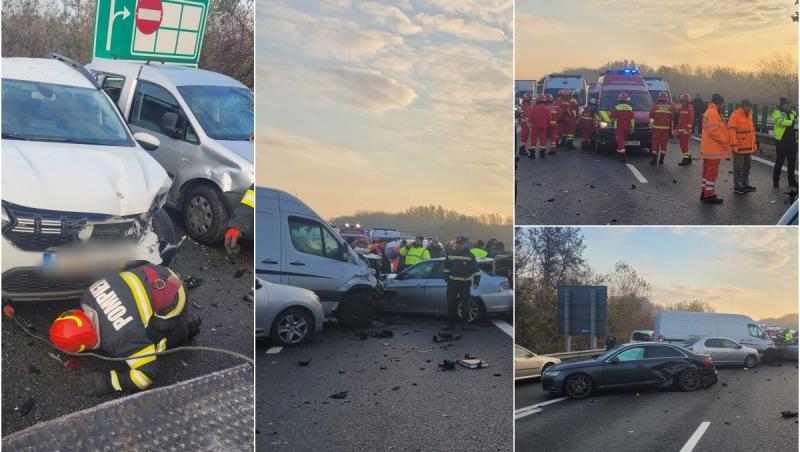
[274, 146]
[494, 11]
[465, 29]
[366, 89]
[390, 16]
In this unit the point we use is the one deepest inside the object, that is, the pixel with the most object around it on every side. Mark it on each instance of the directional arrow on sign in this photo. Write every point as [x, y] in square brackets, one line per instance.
[112, 17]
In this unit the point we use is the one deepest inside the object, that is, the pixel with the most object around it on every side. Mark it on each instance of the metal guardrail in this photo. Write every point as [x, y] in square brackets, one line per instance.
[564, 356]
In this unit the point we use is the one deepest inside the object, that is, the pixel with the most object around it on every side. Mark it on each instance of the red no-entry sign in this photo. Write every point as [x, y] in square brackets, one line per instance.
[148, 15]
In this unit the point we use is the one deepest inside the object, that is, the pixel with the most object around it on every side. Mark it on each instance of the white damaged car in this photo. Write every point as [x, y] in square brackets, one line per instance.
[80, 194]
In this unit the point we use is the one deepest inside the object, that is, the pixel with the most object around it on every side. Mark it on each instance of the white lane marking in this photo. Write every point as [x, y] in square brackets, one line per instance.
[695, 438]
[273, 350]
[533, 409]
[760, 160]
[636, 173]
[504, 327]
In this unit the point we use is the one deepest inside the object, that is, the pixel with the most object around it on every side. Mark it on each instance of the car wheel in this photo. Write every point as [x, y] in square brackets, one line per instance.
[205, 214]
[578, 386]
[751, 361]
[291, 327]
[165, 230]
[689, 379]
[476, 310]
[356, 310]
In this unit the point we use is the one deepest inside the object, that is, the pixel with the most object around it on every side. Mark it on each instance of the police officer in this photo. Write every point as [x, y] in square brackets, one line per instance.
[414, 253]
[242, 222]
[460, 271]
[128, 314]
[784, 121]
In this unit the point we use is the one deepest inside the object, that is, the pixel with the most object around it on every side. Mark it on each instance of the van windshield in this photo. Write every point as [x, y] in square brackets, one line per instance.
[638, 101]
[35, 111]
[224, 112]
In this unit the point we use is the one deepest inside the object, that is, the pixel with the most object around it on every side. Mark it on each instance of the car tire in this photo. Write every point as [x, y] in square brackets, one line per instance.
[292, 326]
[477, 310]
[689, 380]
[356, 310]
[578, 386]
[165, 230]
[751, 361]
[205, 214]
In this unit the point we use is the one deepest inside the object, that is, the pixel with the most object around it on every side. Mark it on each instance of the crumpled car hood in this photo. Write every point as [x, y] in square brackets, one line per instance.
[110, 180]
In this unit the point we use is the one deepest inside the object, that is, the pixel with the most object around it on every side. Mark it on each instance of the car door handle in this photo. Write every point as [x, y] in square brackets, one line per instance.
[296, 263]
[269, 261]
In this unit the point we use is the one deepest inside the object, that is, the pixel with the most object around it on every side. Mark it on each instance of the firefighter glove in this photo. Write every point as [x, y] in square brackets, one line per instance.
[232, 240]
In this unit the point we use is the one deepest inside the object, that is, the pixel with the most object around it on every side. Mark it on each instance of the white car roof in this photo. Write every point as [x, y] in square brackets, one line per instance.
[43, 70]
[177, 75]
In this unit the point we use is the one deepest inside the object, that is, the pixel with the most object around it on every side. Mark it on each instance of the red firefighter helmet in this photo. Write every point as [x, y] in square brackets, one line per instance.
[527, 97]
[73, 332]
[685, 97]
[623, 97]
[663, 96]
[548, 98]
[564, 92]
[539, 99]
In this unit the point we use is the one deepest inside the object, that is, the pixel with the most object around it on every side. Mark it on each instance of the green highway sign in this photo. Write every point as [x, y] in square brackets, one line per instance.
[150, 30]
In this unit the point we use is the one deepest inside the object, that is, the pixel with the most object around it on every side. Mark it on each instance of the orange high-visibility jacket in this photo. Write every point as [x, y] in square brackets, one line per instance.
[714, 143]
[741, 133]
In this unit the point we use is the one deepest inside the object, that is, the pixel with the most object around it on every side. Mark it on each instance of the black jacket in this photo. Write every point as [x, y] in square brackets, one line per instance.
[243, 214]
[461, 266]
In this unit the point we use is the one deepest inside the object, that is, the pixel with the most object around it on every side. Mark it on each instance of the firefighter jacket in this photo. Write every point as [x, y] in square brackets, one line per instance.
[622, 115]
[527, 113]
[541, 116]
[555, 114]
[741, 133]
[685, 119]
[572, 108]
[588, 116]
[243, 214]
[661, 114]
[132, 320]
[714, 143]
[460, 265]
[414, 255]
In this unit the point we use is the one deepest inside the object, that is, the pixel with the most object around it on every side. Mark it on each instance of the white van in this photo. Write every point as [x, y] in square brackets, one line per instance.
[678, 326]
[298, 248]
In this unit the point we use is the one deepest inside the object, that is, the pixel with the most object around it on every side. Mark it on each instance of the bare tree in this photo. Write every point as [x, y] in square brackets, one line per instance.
[779, 75]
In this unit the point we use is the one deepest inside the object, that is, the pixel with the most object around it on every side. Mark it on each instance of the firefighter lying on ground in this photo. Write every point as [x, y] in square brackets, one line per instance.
[127, 315]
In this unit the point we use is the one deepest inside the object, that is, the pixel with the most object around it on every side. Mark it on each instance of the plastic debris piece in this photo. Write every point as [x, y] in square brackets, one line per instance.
[303, 363]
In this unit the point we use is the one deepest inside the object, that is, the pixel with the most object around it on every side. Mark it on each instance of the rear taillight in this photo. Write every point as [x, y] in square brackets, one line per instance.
[708, 362]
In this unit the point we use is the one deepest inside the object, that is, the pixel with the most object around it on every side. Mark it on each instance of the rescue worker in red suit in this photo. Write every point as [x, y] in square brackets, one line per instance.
[714, 147]
[684, 128]
[525, 123]
[587, 122]
[540, 121]
[661, 115]
[622, 116]
[572, 119]
[563, 115]
[552, 126]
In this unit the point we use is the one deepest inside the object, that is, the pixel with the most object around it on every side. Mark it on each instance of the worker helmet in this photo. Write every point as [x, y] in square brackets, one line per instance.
[73, 332]
[663, 96]
[685, 97]
[623, 97]
[527, 97]
[548, 98]
[539, 99]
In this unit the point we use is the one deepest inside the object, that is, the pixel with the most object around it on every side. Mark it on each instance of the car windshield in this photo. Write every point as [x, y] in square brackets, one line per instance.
[35, 111]
[638, 101]
[224, 112]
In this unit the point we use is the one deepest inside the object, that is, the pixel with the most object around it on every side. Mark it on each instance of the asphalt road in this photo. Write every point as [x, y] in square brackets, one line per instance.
[743, 409]
[29, 373]
[586, 188]
[397, 398]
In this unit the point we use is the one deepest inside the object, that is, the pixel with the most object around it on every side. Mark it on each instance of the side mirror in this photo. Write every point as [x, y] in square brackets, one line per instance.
[530, 355]
[169, 123]
[147, 141]
[614, 360]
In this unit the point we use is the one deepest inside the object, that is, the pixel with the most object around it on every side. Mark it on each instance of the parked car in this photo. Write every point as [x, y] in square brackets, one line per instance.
[73, 174]
[288, 315]
[641, 336]
[678, 326]
[637, 365]
[530, 365]
[723, 350]
[421, 289]
[789, 352]
[297, 247]
[204, 121]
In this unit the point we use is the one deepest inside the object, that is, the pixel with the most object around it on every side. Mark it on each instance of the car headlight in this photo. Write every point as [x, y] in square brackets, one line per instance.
[605, 125]
[505, 285]
[552, 373]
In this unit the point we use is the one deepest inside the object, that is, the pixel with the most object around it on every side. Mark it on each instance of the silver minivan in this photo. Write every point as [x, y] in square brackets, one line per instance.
[296, 247]
[204, 122]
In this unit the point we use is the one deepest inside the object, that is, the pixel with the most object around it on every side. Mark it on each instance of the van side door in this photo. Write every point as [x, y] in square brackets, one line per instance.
[315, 259]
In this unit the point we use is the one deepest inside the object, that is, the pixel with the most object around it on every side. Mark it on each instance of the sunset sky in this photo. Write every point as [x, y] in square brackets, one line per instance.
[364, 105]
[552, 35]
[741, 270]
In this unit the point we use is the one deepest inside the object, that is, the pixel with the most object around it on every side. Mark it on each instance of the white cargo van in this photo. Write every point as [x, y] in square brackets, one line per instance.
[677, 326]
[296, 247]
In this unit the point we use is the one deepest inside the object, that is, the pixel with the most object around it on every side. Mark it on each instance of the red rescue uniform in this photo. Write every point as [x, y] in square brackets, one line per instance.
[572, 119]
[661, 114]
[525, 122]
[684, 128]
[563, 114]
[586, 124]
[552, 128]
[622, 115]
[539, 121]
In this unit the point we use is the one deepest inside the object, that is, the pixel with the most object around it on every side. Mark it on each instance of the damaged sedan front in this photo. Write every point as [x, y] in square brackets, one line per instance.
[630, 366]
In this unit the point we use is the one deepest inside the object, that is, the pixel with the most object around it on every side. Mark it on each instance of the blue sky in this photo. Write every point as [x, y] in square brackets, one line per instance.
[734, 33]
[747, 270]
[366, 105]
